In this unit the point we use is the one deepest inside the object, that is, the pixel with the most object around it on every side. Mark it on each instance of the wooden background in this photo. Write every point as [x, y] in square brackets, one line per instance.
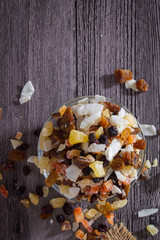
[70, 48]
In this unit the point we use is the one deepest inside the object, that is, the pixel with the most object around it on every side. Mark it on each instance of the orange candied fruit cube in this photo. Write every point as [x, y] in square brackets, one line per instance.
[110, 218]
[85, 224]
[78, 214]
[79, 234]
[62, 110]
[104, 122]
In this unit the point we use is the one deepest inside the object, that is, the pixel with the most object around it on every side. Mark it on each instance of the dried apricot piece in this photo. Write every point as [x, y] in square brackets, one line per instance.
[123, 75]
[125, 133]
[113, 107]
[117, 164]
[140, 144]
[79, 234]
[142, 85]
[51, 179]
[78, 214]
[16, 155]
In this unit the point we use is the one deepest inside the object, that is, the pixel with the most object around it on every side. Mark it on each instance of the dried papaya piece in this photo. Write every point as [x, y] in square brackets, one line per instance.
[51, 179]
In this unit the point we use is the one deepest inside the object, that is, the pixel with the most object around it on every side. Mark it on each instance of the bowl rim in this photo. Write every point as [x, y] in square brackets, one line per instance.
[71, 103]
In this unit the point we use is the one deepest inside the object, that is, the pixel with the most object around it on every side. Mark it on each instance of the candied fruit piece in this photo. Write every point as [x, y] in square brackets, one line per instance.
[117, 164]
[81, 162]
[136, 131]
[98, 133]
[78, 214]
[127, 158]
[62, 110]
[145, 174]
[34, 198]
[106, 209]
[125, 133]
[91, 213]
[76, 136]
[79, 234]
[6, 166]
[106, 187]
[25, 202]
[142, 85]
[104, 122]
[3, 191]
[98, 169]
[45, 191]
[51, 179]
[106, 113]
[16, 155]
[66, 226]
[140, 144]
[92, 190]
[113, 107]
[85, 224]
[132, 139]
[47, 129]
[123, 75]
[57, 202]
[67, 121]
[119, 204]
[110, 218]
[152, 229]
[131, 120]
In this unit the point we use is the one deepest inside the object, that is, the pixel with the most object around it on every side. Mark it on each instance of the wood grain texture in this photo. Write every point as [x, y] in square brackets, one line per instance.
[70, 48]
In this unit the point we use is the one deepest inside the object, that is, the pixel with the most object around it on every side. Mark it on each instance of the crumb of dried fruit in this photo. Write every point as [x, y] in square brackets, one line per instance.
[3, 191]
[6, 166]
[57, 202]
[18, 135]
[25, 202]
[0, 113]
[1, 177]
[123, 75]
[51, 179]
[79, 234]
[140, 144]
[66, 226]
[155, 162]
[16, 143]
[142, 85]
[34, 198]
[46, 212]
[126, 133]
[45, 191]
[91, 213]
[26, 170]
[16, 155]
[145, 174]
[147, 164]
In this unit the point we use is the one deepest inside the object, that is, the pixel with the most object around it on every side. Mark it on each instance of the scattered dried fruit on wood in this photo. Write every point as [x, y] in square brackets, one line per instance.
[152, 229]
[45, 191]
[16, 155]
[66, 226]
[51, 179]
[123, 75]
[57, 202]
[6, 166]
[18, 135]
[25, 202]
[142, 85]
[34, 198]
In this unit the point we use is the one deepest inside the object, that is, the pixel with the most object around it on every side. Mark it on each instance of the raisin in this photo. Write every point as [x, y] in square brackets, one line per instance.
[60, 218]
[153, 220]
[102, 228]
[46, 212]
[158, 132]
[67, 208]
[68, 162]
[83, 153]
[142, 85]
[24, 147]
[92, 138]
[127, 158]
[86, 171]
[25, 202]
[26, 170]
[125, 133]
[134, 159]
[51, 179]
[123, 75]
[39, 191]
[37, 132]
[21, 190]
[81, 162]
[112, 131]
[103, 139]
[113, 107]
[6, 166]
[67, 121]
[97, 180]
[16, 155]
[140, 144]
[93, 198]
[117, 164]
[136, 131]
[145, 174]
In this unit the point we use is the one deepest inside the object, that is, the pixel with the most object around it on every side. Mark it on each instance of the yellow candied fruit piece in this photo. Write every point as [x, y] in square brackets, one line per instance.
[47, 129]
[99, 132]
[1, 177]
[41, 141]
[147, 164]
[34, 198]
[131, 120]
[91, 213]
[106, 113]
[64, 189]
[127, 170]
[57, 202]
[45, 191]
[62, 110]
[102, 202]
[119, 204]
[76, 136]
[44, 163]
[152, 229]
[98, 169]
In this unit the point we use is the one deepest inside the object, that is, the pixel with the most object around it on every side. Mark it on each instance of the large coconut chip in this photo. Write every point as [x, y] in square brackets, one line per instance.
[119, 232]
[27, 92]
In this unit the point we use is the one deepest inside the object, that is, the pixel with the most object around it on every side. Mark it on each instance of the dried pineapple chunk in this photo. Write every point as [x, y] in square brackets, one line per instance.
[57, 202]
[127, 170]
[34, 198]
[152, 229]
[99, 132]
[106, 113]
[77, 137]
[97, 168]
[91, 213]
[45, 191]
[44, 163]
[47, 129]
[131, 120]
[119, 204]
[147, 164]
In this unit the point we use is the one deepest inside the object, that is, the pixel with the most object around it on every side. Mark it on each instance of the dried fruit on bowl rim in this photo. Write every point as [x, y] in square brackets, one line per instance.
[91, 150]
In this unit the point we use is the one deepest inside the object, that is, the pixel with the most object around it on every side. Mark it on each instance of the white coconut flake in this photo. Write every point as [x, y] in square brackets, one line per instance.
[123, 193]
[75, 226]
[116, 190]
[99, 98]
[147, 212]
[155, 162]
[16, 143]
[88, 121]
[122, 113]
[32, 159]
[27, 92]
[73, 191]
[96, 147]
[120, 176]
[128, 148]
[73, 172]
[118, 121]
[131, 84]
[109, 172]
[61, 147]
[113, 149]
[83, 101]
[147, 164]
[85, 147]
[148, 130]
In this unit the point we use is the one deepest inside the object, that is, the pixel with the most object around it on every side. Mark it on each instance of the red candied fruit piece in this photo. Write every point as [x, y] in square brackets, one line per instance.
[3, 191]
